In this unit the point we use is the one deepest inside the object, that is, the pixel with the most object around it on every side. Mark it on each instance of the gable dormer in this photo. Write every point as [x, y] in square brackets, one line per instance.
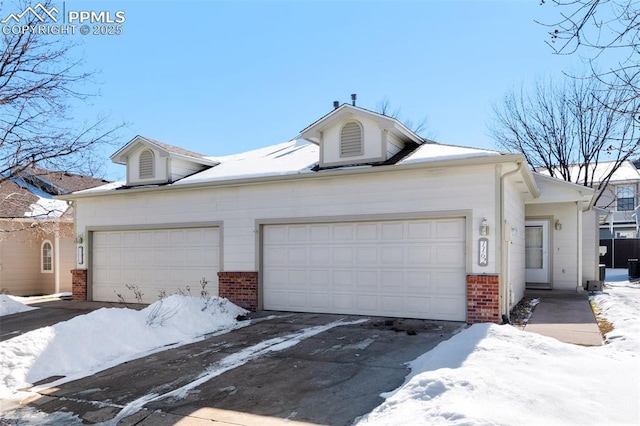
[350, 135]
[150, 162]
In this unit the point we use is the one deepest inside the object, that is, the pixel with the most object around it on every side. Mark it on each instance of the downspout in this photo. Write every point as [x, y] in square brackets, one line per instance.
[579, 248]
[504, 268]
[56, 260]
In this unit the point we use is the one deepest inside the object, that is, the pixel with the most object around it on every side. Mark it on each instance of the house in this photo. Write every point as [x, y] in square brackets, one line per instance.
[357, 215]
[620, 199]
[36, 231]
[619, 230]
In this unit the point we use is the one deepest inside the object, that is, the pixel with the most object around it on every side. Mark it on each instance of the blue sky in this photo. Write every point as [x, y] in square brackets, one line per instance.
[224, 77]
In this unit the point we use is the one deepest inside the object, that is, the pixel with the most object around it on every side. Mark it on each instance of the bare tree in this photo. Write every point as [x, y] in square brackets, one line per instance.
[606, 32]
[567, 129]
[384, 108]
[40, 78]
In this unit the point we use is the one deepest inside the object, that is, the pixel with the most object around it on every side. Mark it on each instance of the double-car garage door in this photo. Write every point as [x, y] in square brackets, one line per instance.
[406, 268]
[154, 260]
[398, 268]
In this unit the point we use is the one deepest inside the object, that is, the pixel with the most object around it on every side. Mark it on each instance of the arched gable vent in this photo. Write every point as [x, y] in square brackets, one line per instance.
[147, 163]
[351, 143]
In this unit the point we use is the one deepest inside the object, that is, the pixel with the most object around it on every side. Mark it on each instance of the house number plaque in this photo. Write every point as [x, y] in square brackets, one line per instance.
[483, 252]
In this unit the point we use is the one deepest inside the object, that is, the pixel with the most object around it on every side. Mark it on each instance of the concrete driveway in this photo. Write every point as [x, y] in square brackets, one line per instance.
[280, 368]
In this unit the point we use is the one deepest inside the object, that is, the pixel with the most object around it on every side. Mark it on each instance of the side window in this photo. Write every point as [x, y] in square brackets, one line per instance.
[351, 143]
[46, 257]
[147, 165]
[625, 198]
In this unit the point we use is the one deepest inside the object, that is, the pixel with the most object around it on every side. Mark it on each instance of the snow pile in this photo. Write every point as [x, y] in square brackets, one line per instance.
[10, 305]
[110, 336]
[620, 303]
[491, 374]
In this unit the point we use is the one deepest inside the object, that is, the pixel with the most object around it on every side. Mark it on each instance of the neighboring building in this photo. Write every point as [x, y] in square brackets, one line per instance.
[358, 215]
[37, 250]
[620, 199]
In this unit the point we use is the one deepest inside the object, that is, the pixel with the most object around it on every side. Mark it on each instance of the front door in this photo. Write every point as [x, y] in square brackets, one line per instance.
[537, 251]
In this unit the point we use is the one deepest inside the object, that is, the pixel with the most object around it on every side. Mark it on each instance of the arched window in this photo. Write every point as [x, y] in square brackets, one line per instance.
[351, 144]
[147, 163]
[46, 257]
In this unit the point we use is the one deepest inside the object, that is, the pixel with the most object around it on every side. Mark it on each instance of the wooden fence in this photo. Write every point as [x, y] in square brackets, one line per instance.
[623, 250]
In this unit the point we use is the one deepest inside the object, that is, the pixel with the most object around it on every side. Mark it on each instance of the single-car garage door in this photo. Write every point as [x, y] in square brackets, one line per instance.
[154, 260]
[406, 268]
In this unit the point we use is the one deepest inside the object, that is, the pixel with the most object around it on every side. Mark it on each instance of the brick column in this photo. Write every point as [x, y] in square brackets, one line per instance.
[483, 298]
[79, 284]
[240, 288]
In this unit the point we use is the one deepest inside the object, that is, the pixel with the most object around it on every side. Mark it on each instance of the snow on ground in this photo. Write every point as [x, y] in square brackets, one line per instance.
[11, 305]
[107, 337]
[499, 375]
[486, 374]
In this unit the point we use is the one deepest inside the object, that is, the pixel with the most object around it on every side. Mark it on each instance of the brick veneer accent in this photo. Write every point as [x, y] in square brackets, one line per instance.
[483, 298]
[79, 284]
[240, 288]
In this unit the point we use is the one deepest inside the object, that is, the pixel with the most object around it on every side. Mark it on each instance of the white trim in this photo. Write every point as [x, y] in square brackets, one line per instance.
[56, 267]
[546, 254]
[42, 270]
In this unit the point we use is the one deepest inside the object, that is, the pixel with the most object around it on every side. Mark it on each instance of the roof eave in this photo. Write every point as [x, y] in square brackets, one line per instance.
[467, 161]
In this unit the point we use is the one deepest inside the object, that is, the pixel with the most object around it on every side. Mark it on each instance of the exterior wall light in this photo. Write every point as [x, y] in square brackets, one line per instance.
[558, 225]
[484, 227]
[78, 239]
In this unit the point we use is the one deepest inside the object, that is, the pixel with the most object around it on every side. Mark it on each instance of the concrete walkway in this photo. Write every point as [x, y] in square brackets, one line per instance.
[564, 315]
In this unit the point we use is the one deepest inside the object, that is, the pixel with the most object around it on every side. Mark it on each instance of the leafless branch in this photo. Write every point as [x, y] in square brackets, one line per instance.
[567, 129]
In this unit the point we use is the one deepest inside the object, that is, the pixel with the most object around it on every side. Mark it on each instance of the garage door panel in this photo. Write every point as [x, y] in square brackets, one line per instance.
[297, 233]
[449, 255]
[419, 255]
[319, 278]
[319, 302]
[419, 230]
[341, 279]
[366, 302]
[392, 255]
[342, 255]
[276, 234]
[319, 255]
[416, 305]
[392, 281]
[392, 304]
[319, 233]
[276, 256]
[392, 231]
[447, 307]
[366, 231]
[366, 281]
[449, 229]
[154, 260]
[343, 232]
[393, 268]
[446, 282]
[366, 255]
[297, 278]
[342, 302]
[297, 256]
